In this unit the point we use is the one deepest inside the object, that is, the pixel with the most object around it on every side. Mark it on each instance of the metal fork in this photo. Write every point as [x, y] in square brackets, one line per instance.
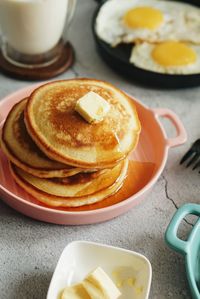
[193, 154]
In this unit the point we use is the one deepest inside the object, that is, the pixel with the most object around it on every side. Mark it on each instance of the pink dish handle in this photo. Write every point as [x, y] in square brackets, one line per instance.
[181, 132]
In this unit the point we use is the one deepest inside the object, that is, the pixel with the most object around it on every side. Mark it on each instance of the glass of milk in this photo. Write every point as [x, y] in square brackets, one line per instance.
[31, 30]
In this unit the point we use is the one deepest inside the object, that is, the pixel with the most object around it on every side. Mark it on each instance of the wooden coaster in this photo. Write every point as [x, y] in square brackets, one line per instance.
[64, 61]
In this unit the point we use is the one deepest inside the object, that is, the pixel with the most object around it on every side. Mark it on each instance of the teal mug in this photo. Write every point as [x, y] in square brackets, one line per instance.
[190, 248]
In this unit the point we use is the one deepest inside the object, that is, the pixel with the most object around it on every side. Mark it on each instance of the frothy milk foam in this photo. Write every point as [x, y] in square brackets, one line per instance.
[32, 26]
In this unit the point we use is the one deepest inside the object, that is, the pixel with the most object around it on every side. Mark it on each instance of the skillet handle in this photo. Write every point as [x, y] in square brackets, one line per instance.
[171, 233]
[181, 132]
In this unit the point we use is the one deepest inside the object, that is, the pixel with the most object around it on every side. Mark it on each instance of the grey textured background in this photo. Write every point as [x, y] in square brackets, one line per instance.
[29, 250]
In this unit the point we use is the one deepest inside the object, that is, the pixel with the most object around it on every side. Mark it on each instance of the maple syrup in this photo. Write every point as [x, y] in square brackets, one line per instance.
[138, 175]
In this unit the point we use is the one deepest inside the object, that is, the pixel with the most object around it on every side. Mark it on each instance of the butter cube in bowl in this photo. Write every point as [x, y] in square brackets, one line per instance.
[90, 270]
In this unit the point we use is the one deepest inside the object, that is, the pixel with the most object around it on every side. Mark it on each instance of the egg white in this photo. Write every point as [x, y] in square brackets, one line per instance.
[181, 22]
[142, 58]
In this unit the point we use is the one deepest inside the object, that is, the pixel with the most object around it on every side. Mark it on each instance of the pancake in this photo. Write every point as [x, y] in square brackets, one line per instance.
[81, 189]
[22, 151]
[63, 135]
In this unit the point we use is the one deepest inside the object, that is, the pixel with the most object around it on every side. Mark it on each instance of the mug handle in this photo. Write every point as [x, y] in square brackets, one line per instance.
[171, 237]
[70, 11]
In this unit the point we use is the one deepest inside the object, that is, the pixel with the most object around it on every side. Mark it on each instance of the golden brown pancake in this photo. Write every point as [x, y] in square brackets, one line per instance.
[22, 151]
[63, 135]
[78, 190]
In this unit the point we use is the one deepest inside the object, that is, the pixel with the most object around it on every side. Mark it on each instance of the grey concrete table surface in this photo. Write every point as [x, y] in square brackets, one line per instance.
[29, 249]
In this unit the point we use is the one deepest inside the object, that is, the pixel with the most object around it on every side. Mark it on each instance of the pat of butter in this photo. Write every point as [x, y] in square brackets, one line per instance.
[76, 291]
[97, 285]
[92, 107]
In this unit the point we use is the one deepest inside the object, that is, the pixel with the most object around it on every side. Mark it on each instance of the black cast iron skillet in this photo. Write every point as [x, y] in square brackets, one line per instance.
[118, 59]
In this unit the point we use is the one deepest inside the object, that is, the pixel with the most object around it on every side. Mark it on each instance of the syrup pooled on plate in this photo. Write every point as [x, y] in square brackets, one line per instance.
[138, 175]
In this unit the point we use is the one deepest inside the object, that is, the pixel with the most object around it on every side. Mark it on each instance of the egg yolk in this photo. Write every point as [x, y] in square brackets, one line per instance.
[143, 17]
[173, 53]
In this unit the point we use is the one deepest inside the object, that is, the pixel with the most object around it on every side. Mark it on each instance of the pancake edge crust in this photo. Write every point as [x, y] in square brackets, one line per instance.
[58, 201]
[39, 172]
[55, 155]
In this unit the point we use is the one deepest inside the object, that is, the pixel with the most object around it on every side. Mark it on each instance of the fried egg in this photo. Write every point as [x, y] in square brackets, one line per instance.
[169, 57]
[127, 21]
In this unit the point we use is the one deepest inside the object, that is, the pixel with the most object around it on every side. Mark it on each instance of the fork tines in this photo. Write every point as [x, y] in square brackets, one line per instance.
[193, 154]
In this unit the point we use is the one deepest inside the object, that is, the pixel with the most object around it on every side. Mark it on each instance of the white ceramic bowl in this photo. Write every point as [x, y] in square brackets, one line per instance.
[81, 257]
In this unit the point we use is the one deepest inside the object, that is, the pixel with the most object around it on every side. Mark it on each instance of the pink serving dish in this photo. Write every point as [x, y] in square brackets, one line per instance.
[153, 147]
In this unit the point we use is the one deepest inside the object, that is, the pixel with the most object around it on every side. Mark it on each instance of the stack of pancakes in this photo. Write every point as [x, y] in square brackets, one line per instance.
[60, 158]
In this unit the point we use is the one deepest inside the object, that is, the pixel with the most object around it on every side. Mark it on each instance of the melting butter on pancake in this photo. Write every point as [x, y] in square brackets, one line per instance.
[63, 135]
[81, 189]
[22, 151]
